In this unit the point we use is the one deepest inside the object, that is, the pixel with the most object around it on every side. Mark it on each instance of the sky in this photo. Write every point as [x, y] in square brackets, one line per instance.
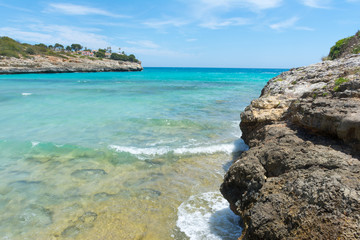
[189, 33]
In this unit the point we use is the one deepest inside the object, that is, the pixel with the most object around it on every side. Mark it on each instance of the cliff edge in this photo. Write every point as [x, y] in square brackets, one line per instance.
[53, 64]
[300, 179]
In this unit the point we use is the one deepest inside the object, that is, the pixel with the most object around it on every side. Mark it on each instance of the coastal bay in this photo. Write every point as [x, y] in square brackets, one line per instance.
[121, 155]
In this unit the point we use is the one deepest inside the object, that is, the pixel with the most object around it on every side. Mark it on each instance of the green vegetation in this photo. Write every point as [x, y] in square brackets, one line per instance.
[76, 47]
[356, 50]
[100, 53]
[124, 57]
[345, 45]
[337, 49]
[338, 82]
[11, 48]
[279, 80]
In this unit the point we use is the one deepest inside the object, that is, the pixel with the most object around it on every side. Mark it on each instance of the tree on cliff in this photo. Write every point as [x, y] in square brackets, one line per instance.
[58, 46]
[76, 47]
[100, 53]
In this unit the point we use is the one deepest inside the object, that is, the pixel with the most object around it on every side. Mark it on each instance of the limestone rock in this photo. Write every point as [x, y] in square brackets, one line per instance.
[300, 179]
[49, 64]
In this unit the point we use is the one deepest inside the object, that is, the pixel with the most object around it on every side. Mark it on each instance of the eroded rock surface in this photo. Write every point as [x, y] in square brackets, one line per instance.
[301, 177]
[50, 64]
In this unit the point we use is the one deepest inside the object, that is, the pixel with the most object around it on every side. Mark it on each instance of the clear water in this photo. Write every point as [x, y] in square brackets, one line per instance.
[136, 155]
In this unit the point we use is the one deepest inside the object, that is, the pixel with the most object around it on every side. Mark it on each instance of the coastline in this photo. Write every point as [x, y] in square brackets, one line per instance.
[50, 64]
[300, 177]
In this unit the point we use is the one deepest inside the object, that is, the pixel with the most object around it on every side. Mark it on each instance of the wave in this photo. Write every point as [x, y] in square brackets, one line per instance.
[208, 216]
[26, 94]
[237, 146]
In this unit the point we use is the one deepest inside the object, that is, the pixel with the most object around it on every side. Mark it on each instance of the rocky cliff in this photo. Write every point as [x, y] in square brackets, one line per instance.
[50, 64]
[300, 179]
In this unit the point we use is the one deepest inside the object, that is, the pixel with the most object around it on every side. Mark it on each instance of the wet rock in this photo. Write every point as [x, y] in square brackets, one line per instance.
[300, 179]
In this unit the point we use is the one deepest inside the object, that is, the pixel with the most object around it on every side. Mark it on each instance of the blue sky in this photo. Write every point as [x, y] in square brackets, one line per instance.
[189, 33]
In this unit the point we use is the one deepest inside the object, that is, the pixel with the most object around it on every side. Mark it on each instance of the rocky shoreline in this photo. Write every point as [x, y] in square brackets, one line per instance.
[51, 64]
[300, 179]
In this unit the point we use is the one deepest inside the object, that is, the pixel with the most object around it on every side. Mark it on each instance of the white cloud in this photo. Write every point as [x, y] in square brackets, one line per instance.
[144, 44]
[289, 23]
[191, 40]
[72, 9]
[158, 24]
[284, 24]
[219, 23]
[22, 35]
[305, 28]
[252, 4]
[264, 4]
[317, 3]
[14, 7]
[50, 34]
[156, 52]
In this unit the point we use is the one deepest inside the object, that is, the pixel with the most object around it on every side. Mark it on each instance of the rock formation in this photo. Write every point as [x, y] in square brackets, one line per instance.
[300, 179]
[50, 64]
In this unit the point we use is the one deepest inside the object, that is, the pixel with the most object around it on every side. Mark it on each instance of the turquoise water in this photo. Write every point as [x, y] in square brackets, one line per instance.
[82, 154]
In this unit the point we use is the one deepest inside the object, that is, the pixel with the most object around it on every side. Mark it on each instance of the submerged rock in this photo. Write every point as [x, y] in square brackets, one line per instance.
[36, 215]
[88, 173]
[103, 196]
[83, 223]
[301, 177]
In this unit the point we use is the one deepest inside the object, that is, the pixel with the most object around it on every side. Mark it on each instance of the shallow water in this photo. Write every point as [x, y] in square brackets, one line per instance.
[135, 155]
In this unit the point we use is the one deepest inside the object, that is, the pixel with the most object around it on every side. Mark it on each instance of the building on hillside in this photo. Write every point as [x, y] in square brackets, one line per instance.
[86, 53]
[107, 55]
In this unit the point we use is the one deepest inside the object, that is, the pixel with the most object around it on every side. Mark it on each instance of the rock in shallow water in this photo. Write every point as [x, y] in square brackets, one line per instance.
[301, 177]
[88, 173]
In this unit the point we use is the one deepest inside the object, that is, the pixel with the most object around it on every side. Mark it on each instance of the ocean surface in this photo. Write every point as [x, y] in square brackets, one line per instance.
[124, 155]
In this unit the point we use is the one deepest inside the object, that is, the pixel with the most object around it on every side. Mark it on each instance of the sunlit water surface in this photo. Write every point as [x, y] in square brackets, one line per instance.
[137, 155]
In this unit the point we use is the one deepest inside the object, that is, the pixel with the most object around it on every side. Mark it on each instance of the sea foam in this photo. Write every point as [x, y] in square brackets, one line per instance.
[237, 146]
[208, 216]
[26, 94]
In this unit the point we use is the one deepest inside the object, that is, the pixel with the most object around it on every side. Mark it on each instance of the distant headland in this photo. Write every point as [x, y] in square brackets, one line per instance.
[16, 57]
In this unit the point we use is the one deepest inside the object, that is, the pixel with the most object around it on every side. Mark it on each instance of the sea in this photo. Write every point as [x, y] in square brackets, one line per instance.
[121, 155]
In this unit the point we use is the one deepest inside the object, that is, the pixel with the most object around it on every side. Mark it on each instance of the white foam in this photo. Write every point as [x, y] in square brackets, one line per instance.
[34, 144]
[208, 216]
[238, 145]
[227, 148]
[140, 151]
[26, 94]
